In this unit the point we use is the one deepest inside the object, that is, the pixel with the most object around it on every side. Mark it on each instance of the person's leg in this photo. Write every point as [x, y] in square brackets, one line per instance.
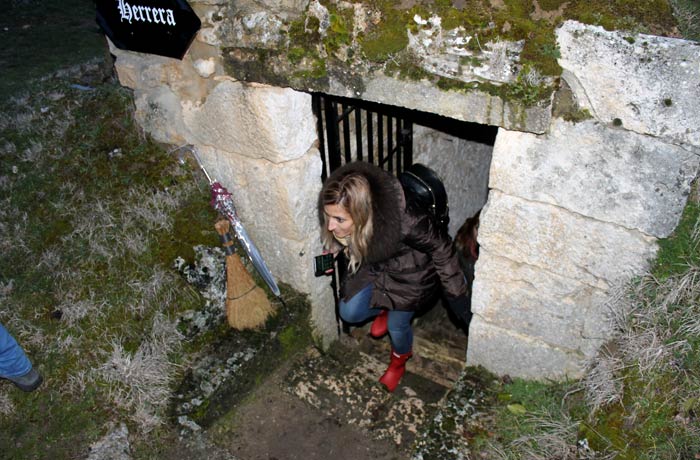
[13, 361]
[14, 364]
[356, 309]
[400, 331]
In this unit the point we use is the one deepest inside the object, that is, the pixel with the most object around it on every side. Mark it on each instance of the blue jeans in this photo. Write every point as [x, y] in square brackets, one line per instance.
[357, 310]
[13, 361]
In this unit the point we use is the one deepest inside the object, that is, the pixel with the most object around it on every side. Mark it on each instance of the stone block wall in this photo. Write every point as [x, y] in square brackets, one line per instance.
[259, 141]
[463, 166]
[573, 209]
[575, 212]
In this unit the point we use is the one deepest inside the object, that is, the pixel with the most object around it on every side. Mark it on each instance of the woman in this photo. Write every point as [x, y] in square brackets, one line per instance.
[397, 257]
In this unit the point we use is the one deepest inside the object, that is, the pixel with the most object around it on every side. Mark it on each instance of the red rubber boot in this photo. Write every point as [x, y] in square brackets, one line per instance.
[395, 371]
[379, 325]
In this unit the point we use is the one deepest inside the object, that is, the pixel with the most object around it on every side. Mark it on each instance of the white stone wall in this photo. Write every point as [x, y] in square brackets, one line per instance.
[576, 212]
[463, 166]
[259, 141]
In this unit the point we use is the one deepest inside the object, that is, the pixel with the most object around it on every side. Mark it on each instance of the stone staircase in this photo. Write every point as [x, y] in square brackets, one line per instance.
[343, 383]
[329, 404]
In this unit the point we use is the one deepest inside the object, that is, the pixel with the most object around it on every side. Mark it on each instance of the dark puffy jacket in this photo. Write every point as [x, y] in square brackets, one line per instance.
[408, 258]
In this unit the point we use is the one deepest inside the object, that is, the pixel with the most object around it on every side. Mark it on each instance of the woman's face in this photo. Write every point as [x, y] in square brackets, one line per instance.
[339, 221]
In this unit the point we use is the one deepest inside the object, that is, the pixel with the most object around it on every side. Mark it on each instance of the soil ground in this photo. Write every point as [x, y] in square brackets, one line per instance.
[330, 405]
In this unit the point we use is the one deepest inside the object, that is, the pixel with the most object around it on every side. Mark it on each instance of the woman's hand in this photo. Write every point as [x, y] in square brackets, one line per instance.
[461, 308]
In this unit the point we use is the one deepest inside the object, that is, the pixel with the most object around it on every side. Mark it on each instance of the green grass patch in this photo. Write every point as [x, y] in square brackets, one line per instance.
[650, 16]
[387, 38]
[687, 14]
[681, 249]
[64, 31]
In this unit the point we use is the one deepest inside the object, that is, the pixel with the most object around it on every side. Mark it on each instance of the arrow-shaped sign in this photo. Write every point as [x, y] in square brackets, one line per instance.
[163, 27]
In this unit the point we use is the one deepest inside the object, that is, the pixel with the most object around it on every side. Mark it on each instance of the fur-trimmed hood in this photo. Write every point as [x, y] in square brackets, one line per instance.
[388, 206]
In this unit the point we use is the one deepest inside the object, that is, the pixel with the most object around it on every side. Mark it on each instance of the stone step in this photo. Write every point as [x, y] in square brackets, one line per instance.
[343, 384]
[439, 347]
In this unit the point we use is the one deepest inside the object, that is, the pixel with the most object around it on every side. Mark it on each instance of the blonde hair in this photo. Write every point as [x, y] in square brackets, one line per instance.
[352, 193]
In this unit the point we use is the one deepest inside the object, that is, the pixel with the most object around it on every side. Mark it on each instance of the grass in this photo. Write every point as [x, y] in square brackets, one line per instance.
[93, 215]
[43, 36]
[639, 397]
[687, 13]
[87, 206]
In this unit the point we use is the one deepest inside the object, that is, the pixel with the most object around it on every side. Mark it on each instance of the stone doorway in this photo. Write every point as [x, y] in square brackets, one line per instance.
[394, 138]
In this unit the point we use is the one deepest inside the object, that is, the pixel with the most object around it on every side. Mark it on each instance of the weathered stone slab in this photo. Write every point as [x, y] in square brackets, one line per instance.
[273, 202]
[651, 84]
[276, 203]
[612, 175]
[527, 300]
[159, 113]
[505, 352]
[473, 106]
[463, 166]
[255, 121]
[596, 253]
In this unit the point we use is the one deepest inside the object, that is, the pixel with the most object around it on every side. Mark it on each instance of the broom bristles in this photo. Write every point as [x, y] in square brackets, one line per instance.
[247, 305]
[249, 311]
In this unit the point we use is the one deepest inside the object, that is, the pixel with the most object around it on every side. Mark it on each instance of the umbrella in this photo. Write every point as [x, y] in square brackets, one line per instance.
[222, 201]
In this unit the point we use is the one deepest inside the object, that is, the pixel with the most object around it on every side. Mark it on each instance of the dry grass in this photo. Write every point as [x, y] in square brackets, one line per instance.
[556, 438]
[140, 382]
[687, 13]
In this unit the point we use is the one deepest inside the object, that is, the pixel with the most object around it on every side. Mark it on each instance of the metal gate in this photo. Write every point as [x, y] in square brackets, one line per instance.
[351, 129]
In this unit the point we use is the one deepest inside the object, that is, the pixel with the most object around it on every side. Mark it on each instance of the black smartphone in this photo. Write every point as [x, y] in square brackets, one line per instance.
[322, 264]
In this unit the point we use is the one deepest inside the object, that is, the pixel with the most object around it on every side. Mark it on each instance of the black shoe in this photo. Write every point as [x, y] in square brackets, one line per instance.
[27, 382]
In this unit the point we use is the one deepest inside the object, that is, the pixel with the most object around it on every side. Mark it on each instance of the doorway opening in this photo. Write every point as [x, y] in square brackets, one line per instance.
[394, 138]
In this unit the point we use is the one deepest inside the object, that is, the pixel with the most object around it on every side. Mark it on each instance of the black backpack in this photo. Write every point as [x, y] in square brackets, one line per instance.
[425, 193]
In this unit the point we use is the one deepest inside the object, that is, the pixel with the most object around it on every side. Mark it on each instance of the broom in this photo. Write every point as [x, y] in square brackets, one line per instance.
[247, 305]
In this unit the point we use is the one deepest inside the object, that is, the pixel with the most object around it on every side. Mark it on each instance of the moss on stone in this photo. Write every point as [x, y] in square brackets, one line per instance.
[405, 65]
[247, 64]
[310, 57]
[519, 93]
[653, 16]
[564, 106]
[237, 361]
[296, 54]
[551, 5]
[339, 33]
[381, 43]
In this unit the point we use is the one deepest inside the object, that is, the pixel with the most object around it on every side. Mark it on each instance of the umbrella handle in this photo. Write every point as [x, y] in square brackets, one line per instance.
[223, 228]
